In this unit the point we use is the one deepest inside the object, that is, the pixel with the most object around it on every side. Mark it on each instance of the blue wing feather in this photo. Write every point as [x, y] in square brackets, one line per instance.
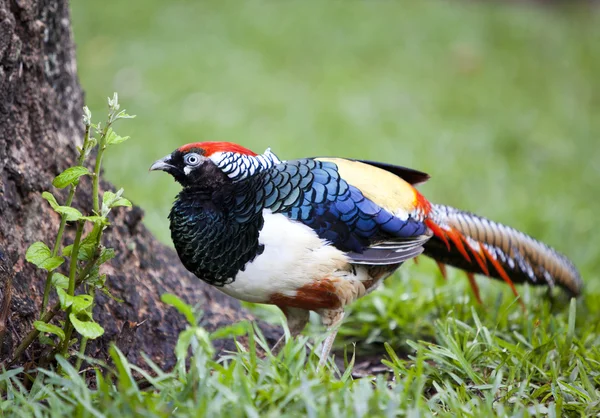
[312, 192]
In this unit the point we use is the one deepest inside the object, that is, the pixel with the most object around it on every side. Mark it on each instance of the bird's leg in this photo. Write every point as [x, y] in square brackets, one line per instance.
[331, 319]
[296, 320]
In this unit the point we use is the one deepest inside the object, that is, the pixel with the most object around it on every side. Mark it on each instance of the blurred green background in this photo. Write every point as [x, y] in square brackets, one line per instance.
[499, 103]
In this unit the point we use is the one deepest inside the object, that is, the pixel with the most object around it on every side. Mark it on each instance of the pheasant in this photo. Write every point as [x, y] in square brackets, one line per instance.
[316, 234]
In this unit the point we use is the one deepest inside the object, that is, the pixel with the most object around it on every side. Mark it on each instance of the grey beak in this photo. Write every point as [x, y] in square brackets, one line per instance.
[162, 164]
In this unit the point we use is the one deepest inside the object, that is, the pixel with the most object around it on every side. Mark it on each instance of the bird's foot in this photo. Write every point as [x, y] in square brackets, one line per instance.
[332, 320]
[296, 321]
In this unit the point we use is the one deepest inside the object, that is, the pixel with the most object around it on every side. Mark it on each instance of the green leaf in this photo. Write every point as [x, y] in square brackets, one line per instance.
[69, 176]
[92, 277]
[121, 202]
[39, 254]
[96, 219]
[92, 237]
[81, 303]
[51, 199]
[111, 200]
[113, 104]
[83, 252]
[87, 116]
[123, 115]
[52, 329]
[106, 254]
[43, 339]
[119, 139]
[67, 250]
[60, 281]
[86, 252]
[110, 135]
[96, 280]
[107, 199]
[89, 146]
[105, 290]
[89, 329]
[52, 263]
[72, 214]
[183, 308]
[64, 298]
[87, 247]
[112, 138]
[76, 303]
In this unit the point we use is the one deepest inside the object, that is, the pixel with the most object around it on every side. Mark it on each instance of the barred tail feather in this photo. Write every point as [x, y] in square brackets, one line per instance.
[478, 245]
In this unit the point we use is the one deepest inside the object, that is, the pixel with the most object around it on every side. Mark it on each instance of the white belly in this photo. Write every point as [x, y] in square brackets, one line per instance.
[293, 256]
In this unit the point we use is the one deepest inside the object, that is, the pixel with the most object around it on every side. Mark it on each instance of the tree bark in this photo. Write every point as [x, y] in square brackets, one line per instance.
[40, 126]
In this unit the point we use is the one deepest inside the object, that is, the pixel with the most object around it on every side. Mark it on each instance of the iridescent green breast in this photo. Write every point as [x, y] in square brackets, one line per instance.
[209, 242]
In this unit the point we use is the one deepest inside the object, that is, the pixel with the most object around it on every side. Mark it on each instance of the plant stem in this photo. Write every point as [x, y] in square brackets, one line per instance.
[61, 229]
[84, 340]
[63, 222]
[29, 338]
[96, 179]
[71, 289]
[82, 347]
[86, 139]
[74, 255]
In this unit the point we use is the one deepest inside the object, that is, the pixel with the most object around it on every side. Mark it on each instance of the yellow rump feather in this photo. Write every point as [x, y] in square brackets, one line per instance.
[382, 187]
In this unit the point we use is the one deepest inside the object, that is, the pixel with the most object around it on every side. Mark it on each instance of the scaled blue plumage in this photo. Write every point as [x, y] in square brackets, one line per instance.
[312, 192]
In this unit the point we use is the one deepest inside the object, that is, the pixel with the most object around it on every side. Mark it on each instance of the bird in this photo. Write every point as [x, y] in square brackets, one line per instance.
[316, 234]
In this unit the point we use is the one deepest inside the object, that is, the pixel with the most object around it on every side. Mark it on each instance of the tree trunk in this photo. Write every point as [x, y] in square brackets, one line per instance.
[40, 126]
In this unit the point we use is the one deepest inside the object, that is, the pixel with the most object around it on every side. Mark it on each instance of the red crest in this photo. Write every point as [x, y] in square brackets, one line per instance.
[212, 147]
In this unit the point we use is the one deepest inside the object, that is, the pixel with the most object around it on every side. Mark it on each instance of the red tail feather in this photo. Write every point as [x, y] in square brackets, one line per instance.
[457, 238]
[437, 231]
[502, 274]
[481, 256]
[474, 286]
[442, 268]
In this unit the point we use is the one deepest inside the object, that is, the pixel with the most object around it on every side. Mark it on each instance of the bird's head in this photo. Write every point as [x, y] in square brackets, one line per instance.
[201, 162]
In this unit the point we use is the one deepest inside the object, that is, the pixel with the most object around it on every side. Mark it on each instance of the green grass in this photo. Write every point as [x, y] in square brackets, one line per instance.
[498, 103]
[500, 363]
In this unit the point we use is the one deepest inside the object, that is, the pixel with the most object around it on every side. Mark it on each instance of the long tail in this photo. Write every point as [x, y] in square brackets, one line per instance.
[480, 246]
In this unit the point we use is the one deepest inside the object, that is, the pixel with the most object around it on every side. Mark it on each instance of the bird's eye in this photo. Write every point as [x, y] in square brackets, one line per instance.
[192, 159]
